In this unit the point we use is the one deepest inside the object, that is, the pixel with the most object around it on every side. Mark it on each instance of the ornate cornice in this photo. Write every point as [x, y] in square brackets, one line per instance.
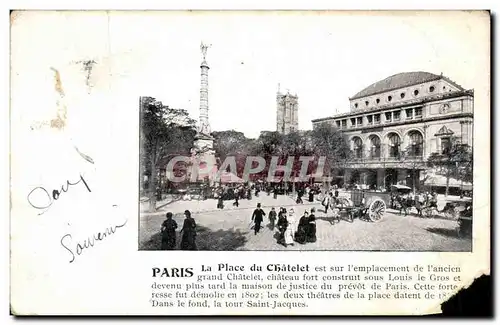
[404, 104]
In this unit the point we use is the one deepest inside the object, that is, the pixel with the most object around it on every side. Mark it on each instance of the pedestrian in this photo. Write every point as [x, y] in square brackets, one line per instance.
[299, 198]
[311, 195]
[220, 202]
[236, 203]
[272, 218]
[275, 193]
[326, 201]
[301, 233]
[311, 227]
[168, 233]
[188, 242]
[290, 229]
[282, 225]
[258, 218]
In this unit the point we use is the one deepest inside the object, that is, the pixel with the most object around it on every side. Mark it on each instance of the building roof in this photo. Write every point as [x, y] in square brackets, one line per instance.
[410, 102]
[400, 80]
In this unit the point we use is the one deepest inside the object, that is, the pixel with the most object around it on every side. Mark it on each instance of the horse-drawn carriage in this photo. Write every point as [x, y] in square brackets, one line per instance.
[425, 205]
[365, 205]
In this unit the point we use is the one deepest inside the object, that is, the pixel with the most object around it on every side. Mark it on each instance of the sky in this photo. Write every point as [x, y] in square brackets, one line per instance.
[323, 57]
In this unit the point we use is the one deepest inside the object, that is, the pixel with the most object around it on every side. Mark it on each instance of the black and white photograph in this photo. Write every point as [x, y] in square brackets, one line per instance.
[249, 162]
[280, 132]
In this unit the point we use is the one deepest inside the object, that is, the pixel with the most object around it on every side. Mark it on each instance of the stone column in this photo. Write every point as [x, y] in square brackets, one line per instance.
[402, 116]
[427, 142]
[402, 174]
[204, 124]
[363, 177]
[380, 177]
[464, 130]
[347, 175]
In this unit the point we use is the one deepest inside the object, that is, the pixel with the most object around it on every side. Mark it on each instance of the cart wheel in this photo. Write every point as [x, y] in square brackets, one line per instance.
[376, 210]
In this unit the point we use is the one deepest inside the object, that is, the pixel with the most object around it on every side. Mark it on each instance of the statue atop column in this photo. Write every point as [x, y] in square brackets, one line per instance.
[204, 48]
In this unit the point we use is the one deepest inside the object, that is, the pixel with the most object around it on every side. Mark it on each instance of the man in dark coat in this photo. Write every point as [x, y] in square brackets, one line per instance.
[300, 193]
[220, 203]
[311, 195]
[272, 218]
[258, 218]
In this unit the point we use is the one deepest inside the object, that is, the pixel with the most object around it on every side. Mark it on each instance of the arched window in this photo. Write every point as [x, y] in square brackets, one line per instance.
[357, 147]
[394, 145]
[375, 146]
[416, 148]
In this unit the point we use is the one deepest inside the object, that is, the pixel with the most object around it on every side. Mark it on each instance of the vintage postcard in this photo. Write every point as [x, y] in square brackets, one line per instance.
[248, 162]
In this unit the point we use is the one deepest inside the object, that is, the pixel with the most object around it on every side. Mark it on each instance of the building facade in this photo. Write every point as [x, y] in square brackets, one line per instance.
[395, 124]
[287, 117]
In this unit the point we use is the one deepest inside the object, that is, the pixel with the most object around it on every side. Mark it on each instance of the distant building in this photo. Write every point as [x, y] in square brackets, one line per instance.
[287, 109]
[395, 124]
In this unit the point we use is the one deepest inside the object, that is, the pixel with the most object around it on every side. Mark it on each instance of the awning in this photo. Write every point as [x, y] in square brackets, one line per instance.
[401, 187]
[440, 180]
[228, 177]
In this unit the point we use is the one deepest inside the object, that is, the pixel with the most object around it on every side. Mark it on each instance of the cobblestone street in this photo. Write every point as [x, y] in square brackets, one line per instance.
[229, 229]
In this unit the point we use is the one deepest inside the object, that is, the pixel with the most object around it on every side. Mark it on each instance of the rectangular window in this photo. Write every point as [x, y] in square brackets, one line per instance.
[388, 117]
[409, 113]
[338, 123]
[377, 118]
[344, 123]
[370, 119]
[397, 115]
[353, 122]
[360, 121]
[418, 112]
[445, 145]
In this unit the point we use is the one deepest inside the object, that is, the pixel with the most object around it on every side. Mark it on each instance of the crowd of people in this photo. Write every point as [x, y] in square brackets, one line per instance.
[283, 223]
[286, 226]
[240, 192]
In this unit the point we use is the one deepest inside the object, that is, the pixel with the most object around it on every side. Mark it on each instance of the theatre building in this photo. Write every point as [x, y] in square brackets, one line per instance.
[395, 124]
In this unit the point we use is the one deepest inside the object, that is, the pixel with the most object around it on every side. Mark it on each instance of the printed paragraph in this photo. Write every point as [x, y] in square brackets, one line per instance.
[295, 286]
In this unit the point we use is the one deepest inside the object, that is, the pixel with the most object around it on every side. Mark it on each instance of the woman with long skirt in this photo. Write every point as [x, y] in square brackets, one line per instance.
[311, 227]
[188, 242]
[301, 234]
[290, 229]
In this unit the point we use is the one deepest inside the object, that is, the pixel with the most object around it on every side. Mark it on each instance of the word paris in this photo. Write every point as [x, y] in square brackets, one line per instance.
[253, 165]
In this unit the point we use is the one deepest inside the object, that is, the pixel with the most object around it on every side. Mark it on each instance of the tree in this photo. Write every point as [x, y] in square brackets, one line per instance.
[233, 143]
[165, 131]
[330, 142]
[454, 162]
